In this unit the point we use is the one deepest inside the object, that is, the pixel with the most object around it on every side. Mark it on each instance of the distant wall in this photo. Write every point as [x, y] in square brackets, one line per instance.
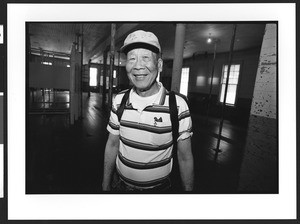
[54, 60]
[201, 66]
[200, 76]
[49, 76]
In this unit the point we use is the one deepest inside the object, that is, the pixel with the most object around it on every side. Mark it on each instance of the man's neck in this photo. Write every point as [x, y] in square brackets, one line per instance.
[149, 92]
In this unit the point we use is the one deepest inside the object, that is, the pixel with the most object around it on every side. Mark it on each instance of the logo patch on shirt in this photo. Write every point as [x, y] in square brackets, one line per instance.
[157, 120]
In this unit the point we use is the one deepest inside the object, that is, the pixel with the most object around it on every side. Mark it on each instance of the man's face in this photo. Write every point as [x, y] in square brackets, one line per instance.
[142, 68]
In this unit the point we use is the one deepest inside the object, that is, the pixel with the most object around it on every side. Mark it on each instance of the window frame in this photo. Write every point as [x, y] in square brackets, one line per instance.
[237, 85]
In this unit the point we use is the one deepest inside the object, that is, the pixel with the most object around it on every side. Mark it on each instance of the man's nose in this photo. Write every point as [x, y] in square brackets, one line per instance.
[139, 64]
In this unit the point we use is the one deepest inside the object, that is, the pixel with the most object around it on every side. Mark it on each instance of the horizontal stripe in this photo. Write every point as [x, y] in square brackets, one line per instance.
[128, 108]
[113, 110]
[189, 130]
[145, 184]
[113, 126]
[143, 146]
[146, 127]
[143, 166]
[184, 114]
[123, 91]
[155, 109]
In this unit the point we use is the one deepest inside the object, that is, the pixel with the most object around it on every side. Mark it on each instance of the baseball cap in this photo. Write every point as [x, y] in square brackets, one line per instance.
[141, 39]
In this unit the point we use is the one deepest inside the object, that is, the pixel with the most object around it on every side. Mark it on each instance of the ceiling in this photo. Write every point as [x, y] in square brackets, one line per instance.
[59, 37]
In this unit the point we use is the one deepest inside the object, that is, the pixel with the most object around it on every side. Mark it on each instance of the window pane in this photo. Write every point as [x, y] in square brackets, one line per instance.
[230, 98]
[232, 83]
[184, 81]
[101, 80]
[231, 94]
[225, 68]
[222, 93]
[93, 76]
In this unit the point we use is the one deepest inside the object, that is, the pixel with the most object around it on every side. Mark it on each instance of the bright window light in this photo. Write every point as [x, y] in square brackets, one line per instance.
[93, 76]
[114, 78]
[46, 63]
[184, 81]
[232, 84]
[214, 82]
[107, 82]
[101, 80]
[200, 81]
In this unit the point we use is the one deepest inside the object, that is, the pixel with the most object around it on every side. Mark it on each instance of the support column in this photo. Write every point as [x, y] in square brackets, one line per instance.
[89, 75]
[72, 84]
[211, 80]
[178, 56]
[217, 150]
[118, 72]
[104, 77]
[259, 169]
[81, 74]
[112, 62]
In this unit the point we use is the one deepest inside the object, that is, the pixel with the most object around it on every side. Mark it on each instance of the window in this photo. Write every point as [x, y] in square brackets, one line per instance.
[101, 80]
[93, 76]
[184, 81]
[232, 84]
[46, 63]
[114, 78]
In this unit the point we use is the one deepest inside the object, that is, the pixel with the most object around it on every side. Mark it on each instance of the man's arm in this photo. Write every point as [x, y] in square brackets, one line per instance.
[186, 163]
[111, 151]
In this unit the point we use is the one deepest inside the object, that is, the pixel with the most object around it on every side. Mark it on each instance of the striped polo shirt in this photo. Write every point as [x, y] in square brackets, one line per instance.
[145, 153]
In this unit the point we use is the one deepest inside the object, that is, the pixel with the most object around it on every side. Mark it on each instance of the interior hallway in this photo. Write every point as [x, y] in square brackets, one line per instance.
[68, 159]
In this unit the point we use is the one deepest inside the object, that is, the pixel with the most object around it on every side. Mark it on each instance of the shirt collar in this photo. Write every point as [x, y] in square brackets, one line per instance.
[160, 99]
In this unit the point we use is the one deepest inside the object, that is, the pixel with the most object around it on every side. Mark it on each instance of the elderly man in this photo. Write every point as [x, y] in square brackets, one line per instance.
[139, 145]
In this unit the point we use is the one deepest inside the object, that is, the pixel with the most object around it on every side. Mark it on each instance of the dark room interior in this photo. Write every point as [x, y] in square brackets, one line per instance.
[73, 73]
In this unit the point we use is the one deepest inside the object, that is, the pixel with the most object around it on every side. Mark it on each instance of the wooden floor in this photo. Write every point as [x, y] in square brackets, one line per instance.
[68, 159]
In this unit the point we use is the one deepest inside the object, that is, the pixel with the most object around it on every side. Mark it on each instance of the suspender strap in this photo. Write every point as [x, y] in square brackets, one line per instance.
[120, 110]
[176, 183]
[174, 120]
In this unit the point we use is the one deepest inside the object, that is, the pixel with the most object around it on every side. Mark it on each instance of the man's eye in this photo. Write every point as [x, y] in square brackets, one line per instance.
[146, 57]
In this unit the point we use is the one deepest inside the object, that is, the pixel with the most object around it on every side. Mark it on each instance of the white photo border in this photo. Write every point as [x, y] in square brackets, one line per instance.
[195, 206]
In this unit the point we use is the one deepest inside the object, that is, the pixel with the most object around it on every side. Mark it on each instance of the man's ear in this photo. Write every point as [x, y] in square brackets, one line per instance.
[160, 65]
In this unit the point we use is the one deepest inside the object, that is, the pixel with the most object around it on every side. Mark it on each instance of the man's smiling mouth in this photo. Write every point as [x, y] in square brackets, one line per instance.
[140, 76]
